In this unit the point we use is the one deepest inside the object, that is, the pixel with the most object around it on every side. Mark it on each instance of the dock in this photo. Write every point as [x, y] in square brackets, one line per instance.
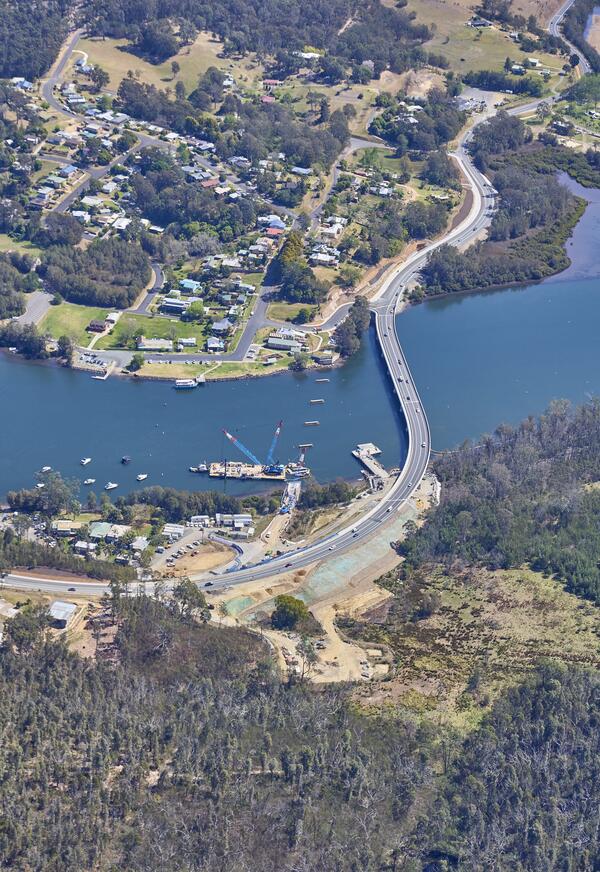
[245, 471]
[366, 454]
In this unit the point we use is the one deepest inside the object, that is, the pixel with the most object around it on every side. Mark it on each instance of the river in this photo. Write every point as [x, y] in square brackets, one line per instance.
[54, 417]
[497, 356]
[478, 360]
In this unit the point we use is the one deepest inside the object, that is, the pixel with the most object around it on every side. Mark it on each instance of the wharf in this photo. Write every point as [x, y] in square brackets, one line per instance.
[245, 471]
[365, 454]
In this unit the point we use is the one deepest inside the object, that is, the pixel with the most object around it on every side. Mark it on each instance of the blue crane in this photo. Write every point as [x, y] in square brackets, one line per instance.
[243, 448]
[274, 443]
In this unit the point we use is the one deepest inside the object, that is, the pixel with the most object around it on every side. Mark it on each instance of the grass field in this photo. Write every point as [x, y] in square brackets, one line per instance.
[151, 328]
[68, 319]
[112, 56]
[288, 311]
[481, 632]
[467, 48]
[9, 244]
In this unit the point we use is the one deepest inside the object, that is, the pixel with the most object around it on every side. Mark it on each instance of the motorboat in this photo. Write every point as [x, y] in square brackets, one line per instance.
[85, 460]
[90, 481]
[111, 485]
[142, 476]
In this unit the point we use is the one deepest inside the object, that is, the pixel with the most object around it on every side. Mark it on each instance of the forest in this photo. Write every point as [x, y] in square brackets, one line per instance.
[111, 272]
[386, 36]
[524, 495]
[31, 33]
[534, 218]
[180, 749]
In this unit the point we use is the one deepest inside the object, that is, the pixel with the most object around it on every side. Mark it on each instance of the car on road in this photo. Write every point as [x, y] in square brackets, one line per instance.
[208, 583]
[288, 564]
[423, 445]
[71, 589]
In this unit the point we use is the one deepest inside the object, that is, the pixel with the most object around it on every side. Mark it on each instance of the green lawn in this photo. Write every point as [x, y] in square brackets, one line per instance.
[287, 311]
[9, 244]
[122, 334]
[467, 48]
[68, 319]
[112, 56]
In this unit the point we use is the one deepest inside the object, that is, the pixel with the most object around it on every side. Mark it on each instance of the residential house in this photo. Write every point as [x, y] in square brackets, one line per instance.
[280, 343]
[214, 344]
[223, 327]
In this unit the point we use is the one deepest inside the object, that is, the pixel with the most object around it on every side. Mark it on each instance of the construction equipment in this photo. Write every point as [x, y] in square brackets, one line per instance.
[274, 443]
[243, 449]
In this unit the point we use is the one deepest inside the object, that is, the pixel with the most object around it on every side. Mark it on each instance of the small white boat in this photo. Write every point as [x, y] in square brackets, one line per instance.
[111, 485]
[90, 481]
[84, 461]
[142, 476]
[46, 469]
[40, 485]
[202, 467]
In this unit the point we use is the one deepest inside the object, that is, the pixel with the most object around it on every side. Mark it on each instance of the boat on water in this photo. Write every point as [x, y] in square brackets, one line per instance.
[142, 476]
[125, 459]
[185, 384]
[111, 485]
[85, 460]
[40, 485]
[90, 481]
[46, 469]
[202, 467]
[297, 470]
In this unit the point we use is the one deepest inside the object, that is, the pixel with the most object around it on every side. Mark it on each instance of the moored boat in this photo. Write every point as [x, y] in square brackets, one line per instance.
[111, 485]
[90, 481]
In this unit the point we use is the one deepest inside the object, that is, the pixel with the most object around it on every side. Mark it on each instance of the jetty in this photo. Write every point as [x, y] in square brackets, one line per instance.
[366, 453]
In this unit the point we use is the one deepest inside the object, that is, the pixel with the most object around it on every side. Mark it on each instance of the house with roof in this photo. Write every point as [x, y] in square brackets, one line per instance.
[214, 344]
[223, 327]
[189, 286]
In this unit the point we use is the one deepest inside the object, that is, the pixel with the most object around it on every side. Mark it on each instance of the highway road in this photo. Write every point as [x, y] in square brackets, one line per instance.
[384, 307]
[554, 29]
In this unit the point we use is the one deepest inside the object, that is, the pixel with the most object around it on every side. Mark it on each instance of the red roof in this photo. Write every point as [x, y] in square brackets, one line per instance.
[267, 99]
[209, 183]
[274, 231]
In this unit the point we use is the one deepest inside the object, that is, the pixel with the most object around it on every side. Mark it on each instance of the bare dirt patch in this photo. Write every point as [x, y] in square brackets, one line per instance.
[207, 556]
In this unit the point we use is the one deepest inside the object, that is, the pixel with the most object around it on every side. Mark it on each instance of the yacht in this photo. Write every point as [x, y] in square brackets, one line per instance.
[111, 485]
[90, 481]
[142, 476]
[46, 469]
[84, 461]
[125, 459]
[40, 485]
[185, 384]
